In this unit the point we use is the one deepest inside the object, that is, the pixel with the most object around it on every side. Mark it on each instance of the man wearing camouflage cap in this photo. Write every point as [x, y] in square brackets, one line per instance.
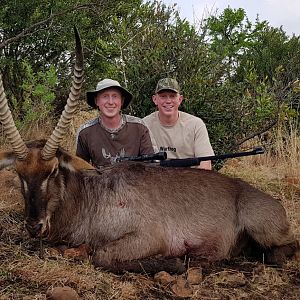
[178, 133]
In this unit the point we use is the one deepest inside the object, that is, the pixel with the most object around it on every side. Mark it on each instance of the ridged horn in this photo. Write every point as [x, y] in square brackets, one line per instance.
[58, 133]
[10, 129]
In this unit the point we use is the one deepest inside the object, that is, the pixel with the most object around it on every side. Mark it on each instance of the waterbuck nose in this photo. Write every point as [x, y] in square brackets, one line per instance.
[34, 229]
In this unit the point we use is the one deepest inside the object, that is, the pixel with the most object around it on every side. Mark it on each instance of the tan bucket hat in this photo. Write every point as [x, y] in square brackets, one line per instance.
[105, 84]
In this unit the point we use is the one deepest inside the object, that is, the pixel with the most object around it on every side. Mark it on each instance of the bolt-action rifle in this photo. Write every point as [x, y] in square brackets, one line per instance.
[187, 162]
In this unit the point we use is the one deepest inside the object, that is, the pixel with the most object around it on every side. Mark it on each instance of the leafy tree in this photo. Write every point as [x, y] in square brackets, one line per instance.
[240, 77]
[42, 34]
[254, 91]
[38, 92]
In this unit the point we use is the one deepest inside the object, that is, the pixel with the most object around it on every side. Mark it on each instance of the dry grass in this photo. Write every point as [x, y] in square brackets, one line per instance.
[40, 131]
[276, 172]
[23, 275]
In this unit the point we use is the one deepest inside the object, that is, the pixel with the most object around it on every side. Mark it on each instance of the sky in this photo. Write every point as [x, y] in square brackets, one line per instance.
[285, 13]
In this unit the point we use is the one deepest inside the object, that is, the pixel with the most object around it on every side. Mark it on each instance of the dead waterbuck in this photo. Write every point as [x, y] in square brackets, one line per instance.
[131, 212]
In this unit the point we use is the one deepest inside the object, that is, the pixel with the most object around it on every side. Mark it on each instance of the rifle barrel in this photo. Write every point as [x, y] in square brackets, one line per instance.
[189, 162]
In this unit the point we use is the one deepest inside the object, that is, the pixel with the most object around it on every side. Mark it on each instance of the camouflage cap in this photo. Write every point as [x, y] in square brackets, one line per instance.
[167, 84]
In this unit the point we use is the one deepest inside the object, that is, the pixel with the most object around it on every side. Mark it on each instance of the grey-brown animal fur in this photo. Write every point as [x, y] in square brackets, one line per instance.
[132, 211]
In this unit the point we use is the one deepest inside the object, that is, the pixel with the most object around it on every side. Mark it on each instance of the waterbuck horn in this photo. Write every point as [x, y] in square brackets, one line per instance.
[9, 126]
[58, 133]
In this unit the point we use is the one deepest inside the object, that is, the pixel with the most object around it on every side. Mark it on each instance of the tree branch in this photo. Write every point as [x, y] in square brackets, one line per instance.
[32, 29]
[264, 129]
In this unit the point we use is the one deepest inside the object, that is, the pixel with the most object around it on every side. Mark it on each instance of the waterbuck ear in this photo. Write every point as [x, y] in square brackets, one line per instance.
[72, 162]
[7, 158]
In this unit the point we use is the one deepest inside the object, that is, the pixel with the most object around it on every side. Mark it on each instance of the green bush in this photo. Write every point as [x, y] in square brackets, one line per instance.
[38, 90]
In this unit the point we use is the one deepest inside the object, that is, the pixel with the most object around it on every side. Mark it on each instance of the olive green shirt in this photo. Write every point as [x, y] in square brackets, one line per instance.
[101, 146]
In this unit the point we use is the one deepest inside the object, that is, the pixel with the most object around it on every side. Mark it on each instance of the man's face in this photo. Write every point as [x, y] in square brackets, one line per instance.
[167, 102]
[109, 102]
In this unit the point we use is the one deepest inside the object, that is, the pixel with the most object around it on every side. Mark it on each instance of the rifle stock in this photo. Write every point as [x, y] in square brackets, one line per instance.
[146, 157]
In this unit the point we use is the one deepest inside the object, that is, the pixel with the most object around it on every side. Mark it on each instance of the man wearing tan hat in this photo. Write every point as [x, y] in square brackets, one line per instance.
[178, 133]
[112, 135]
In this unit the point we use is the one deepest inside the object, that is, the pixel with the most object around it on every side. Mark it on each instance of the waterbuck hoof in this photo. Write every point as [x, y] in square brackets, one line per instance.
[278, 255]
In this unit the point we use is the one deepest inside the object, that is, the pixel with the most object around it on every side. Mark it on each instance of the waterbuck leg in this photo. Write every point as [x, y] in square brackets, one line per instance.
[264, 219]
[149, 265]
[278, 255]
[135, 253]
[275, 239]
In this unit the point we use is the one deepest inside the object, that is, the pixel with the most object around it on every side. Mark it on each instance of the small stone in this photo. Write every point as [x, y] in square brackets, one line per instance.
[231, 279]
[182, 288]
[62, 293]
[194, 276]
[291, 179]
[80, 252]
[163, 278]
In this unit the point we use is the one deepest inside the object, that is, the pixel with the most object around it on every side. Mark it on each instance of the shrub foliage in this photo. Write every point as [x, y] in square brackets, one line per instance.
[240, 77]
